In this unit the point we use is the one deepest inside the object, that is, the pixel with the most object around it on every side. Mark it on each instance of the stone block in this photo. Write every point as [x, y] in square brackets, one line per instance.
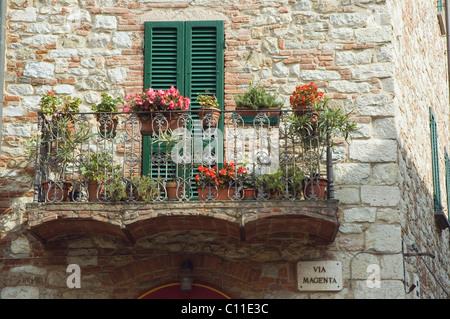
[315, 75]
[348, 195]
[392, 266]
[28, 269]
[385, 174]
[122, 40]
[351, 229]
[380, 195]
[39, 70]
[385, 128]
[351, 173]
[27, 15]
[352, 58]
[99, 40]
[374, 151]
[349, 87]
[360, 214]
[389, 289]
[117, 75]
[386, 238]
[348, 20]
[20, 292]
[341, 34]
[373, 35]
[369, 71]
[20, 89]
[105, 22]
[374, 105]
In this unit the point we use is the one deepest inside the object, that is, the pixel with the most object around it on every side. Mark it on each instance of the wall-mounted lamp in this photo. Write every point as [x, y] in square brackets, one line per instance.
[186, 278]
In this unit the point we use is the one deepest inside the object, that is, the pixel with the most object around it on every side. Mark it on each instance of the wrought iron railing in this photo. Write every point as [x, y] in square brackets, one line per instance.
[115, 157]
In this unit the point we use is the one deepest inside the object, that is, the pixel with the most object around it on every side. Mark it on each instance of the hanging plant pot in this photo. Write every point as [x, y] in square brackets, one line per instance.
[108, 129]
[209, 121]
[249, 114]
[151, 123]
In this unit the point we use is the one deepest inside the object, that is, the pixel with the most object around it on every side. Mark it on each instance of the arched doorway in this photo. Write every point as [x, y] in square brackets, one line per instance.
[173, 291]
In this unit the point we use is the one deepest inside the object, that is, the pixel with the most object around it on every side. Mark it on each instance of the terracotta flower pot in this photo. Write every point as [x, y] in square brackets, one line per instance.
[109, 130]
[95, 192]
[205, 111]
[55, 192]
[217, 194]
[150, 125]
[173, 191]
[315, 188]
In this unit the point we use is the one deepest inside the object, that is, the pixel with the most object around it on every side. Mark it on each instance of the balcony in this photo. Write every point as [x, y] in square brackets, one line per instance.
[133, 175]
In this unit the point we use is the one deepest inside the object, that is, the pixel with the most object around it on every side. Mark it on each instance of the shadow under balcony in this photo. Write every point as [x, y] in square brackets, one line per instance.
[260, 153]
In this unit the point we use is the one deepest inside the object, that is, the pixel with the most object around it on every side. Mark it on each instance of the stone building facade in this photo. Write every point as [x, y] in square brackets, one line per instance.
[382, 59]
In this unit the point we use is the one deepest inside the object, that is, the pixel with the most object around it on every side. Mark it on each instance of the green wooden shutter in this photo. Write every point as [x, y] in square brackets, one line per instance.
[164, 60]
[435, 162]
[204, 59]
[447, 181]
[188, 55]
[164, 63]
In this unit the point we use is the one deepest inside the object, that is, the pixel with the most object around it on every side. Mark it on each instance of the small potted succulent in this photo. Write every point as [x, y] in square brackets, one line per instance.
[105, 114]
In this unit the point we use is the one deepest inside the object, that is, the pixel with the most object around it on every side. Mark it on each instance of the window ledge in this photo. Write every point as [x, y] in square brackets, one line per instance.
[441, 219]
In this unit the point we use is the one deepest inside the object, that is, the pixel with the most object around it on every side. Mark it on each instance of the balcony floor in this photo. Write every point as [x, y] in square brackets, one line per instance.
[315, 221]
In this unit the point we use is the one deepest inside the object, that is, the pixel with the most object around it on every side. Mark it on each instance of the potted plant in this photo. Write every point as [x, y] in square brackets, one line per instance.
[165, 142]
[58, 143]
[323, 123]
[116, 188]
[257, 100]
[304, 97]
[105, 114]
[147, 188]
[218, 183]
[97, 170]
[284, 183]
[209, 105]
[157, 109]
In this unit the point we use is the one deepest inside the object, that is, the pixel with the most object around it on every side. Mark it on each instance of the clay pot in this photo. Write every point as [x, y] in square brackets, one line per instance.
[315, 188]
[55, 192]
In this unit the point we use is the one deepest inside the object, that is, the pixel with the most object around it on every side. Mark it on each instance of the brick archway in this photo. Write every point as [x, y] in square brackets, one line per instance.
[172, 290]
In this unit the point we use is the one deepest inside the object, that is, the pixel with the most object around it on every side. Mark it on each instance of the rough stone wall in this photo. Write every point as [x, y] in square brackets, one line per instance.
[348, 47]
[418, 42]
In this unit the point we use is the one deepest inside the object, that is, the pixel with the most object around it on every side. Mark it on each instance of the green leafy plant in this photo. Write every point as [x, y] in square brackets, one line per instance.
[207, 100]
[283, 179]
[108, 104]
[116, 189]
[99, 167]
[52, 104]
[147, 188]
[257, 98]
[324, 120]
